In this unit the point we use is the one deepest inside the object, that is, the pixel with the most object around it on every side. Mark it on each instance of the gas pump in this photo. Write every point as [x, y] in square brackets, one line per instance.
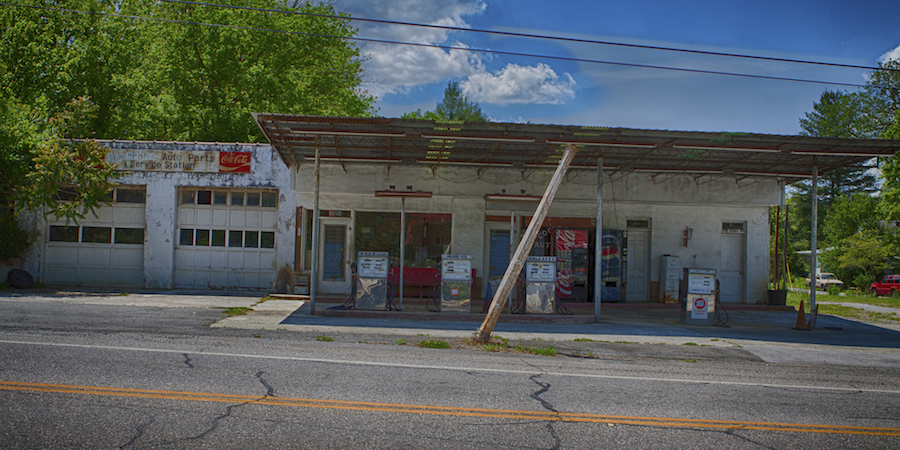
[456, 283]
[698, 296]
[540, 284]
[372, 280]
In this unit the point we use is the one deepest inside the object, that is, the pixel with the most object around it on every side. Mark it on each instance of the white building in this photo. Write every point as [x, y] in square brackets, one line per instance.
[179, 220]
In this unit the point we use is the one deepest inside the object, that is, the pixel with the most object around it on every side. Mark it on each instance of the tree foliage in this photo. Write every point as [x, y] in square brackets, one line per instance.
[193, 73]
[455, 106]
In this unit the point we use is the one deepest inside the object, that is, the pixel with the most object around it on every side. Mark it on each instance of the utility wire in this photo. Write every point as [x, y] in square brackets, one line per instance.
[534, 36]
[443, 47]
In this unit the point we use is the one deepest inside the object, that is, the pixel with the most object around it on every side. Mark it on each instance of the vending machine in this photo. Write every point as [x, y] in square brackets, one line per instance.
[540, 285]
[456, 283]
[572, 262]
[698, 296]
[372, 280]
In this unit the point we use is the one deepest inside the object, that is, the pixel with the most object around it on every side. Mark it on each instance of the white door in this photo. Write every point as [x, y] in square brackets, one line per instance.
[334, 256]
[637, 278]
[731, 268]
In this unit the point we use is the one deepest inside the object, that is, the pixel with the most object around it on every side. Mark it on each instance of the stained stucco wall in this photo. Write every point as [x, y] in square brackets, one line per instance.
[670, 203]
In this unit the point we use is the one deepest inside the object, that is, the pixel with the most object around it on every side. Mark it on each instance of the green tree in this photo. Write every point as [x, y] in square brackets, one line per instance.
[836, 114]
[867, 252]
[455, 106]
[193, 73]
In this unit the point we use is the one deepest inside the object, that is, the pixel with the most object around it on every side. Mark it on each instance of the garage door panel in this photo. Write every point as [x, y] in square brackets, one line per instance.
[187, 217]
[252, 219]
[220, 218]
[200, 259]
[94, 275]
[269, 219]
[92, 256]
[61, 253]
[129, 216]
[237, 219]
[127, 256]
[267, 260]
[218, 259]
[251, 260]
[203, 218]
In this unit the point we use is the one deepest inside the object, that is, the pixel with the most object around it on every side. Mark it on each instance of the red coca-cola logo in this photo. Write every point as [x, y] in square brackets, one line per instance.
[238, 162]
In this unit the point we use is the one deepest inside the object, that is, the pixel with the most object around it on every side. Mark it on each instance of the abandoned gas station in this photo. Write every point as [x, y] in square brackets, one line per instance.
[620, 213]
[657, 202]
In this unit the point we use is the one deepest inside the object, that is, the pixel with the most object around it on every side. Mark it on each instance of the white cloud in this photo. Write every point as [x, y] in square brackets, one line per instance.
[393, 68]
[891, 55]
[515, 84]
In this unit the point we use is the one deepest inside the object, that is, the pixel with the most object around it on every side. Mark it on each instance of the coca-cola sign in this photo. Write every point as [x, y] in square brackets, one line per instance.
[236, 162]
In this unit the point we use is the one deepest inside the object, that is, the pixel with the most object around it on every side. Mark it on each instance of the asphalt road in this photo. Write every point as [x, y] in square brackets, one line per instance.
[121, 376]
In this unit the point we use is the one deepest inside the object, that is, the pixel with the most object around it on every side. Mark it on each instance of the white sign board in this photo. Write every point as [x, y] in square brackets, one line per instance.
[540, 269]
[456, 268]
[699, 306]
[372, 265]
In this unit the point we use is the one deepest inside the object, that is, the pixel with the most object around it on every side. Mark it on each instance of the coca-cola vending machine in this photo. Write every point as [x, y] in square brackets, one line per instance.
[572, 263]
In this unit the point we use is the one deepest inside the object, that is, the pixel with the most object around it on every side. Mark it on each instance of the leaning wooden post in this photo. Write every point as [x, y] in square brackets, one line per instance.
[483, 334]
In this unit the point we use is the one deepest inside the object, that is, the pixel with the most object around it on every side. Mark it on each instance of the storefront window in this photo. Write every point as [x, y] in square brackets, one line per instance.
[427, 236]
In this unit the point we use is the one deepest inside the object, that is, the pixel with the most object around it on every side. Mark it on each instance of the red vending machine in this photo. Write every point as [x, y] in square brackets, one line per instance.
[572, 263]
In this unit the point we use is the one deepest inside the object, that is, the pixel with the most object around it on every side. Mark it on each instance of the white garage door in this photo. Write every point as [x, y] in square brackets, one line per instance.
[226, 239]
[107, 250]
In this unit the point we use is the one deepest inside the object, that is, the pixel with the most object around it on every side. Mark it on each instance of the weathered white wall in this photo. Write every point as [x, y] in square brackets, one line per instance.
[267, 171]
[671, 203]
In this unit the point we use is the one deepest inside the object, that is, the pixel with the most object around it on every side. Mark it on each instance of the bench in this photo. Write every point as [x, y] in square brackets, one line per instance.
[421, 277]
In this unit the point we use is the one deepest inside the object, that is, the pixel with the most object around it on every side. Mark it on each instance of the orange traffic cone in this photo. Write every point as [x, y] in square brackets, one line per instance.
[801, 319]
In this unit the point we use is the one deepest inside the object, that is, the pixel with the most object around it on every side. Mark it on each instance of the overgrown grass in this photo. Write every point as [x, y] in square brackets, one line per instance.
[543, 351]
[324, 337]
[434, 344]
[236, 311]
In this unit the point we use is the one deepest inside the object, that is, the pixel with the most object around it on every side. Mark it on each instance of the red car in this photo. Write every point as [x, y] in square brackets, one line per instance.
[889, 285]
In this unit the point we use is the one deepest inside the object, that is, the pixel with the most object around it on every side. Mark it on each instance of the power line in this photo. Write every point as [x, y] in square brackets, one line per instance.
[534, 36]
[443, 47]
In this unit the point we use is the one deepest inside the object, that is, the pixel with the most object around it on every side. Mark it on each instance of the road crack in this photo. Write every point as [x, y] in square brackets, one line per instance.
[270, 391]
[187, 360]
[536, 395]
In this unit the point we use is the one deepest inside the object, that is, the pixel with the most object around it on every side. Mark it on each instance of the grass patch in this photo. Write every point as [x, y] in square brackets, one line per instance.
[324, 337]
[582, 340]
[434, 344]
[400, 342]
[236, 311]
[543, 351]
[848, 312]
[692, 360]
[689, 343]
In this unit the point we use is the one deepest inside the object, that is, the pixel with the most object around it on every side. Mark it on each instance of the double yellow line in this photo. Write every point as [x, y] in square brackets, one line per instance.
[446, 410]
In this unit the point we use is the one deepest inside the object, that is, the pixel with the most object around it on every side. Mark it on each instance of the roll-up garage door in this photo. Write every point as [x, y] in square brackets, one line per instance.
[106, 250]
[225, 239]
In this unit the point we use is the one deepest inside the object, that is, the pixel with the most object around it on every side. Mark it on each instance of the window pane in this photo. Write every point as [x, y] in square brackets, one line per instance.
[203, 237]
[235, 238]
[237, 199]
[130, 196]
[204, 197]
[220, 198]
[187, 237]
[63, 234]
[187, 197]
[129, 235]
[98, 235]
[218, 238]
[252, 199]
[65, 194]
[251, 239]
[267, 239]
[269, 199]
[428, 236]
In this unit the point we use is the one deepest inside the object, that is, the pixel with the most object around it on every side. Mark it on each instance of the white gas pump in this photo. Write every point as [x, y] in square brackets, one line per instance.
[698, 296]
[456, 283]
[372, 280]
[540, 284]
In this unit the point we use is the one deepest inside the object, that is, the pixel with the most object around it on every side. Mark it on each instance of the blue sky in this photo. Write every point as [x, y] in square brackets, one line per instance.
[547, 91]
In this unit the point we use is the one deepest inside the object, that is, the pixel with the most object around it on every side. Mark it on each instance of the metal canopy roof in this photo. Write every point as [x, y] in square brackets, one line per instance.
[405, 141]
